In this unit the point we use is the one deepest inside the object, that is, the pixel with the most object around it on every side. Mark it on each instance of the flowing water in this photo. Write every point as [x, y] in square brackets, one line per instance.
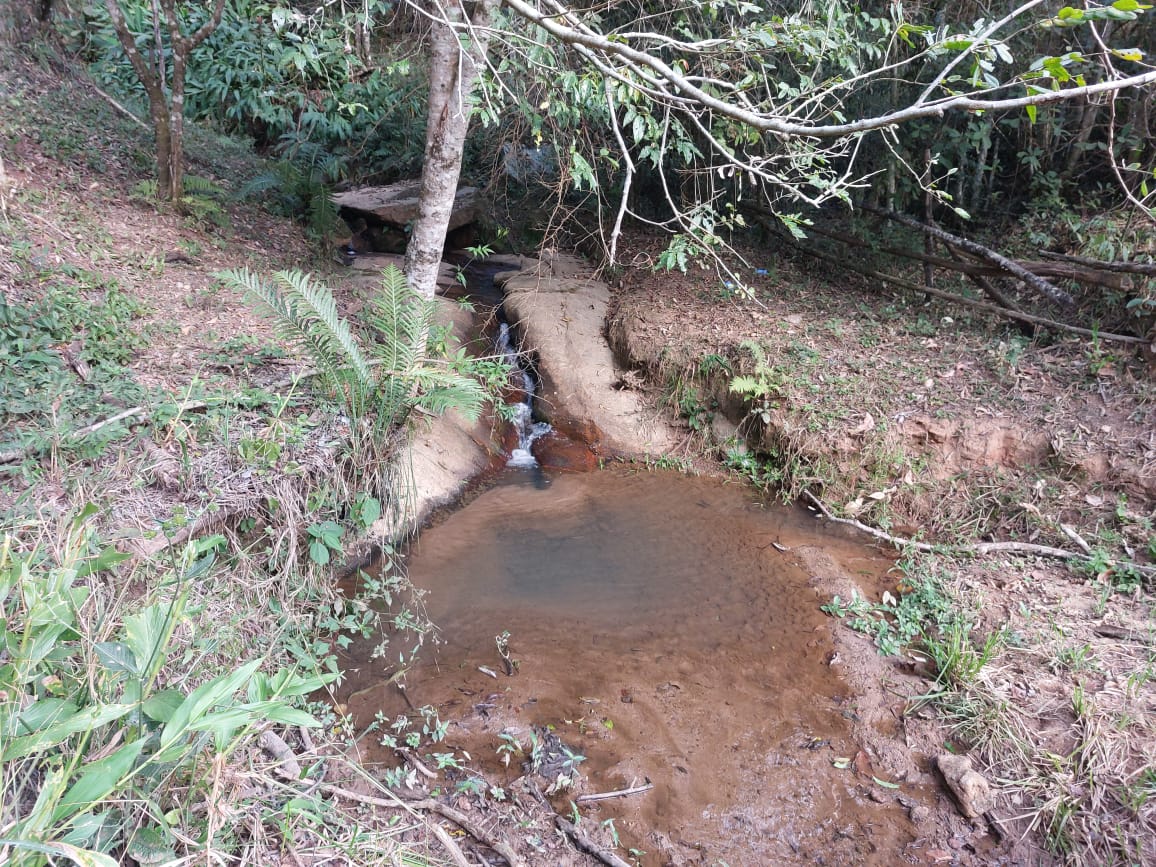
[666, 629]
[528, 430]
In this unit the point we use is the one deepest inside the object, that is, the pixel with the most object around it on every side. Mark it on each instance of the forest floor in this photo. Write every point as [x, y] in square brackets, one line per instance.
[913, 418]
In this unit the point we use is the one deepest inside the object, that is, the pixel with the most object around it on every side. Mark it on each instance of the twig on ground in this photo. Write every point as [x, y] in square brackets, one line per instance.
[13, 455]
[587, 845]
[620, 793]
[126, 112]
[901, 542]
[417, 764]
[429, 805]
[974, 548]
[455, 852]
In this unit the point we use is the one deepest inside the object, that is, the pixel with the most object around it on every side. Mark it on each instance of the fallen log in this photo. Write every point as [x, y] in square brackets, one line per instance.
[977, 305]
[972, 248]
[1148, 269]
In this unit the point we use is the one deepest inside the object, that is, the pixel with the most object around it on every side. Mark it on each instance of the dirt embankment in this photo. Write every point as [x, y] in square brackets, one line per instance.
[893, 412]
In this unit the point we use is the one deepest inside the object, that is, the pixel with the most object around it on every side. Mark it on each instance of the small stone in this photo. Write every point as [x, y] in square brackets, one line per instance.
[920, 813]
[972, 791]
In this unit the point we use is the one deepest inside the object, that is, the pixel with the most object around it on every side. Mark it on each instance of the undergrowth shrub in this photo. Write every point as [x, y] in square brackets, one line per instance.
[110, 730]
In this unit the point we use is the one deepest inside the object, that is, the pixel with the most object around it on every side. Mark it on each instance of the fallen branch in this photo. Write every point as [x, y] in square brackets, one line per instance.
[454, 850]
[970, 302]
[587, 845]
[989, 289]
[1014, 268]
[18, 454]
[973, 269]
[620, 793]
[107, 98]
[973, 548]
[978, 548]
[1145, 268]
[457, 817]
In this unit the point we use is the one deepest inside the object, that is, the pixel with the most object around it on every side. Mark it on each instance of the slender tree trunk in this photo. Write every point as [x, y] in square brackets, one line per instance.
[454, 69]
[166, 110]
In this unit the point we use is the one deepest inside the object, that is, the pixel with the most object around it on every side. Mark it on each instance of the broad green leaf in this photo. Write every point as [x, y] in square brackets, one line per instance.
[83, 857]
[81, 721]
[102, 562]
[201, 700]
[98, 780]
[1031, 112]
[161, 706]
[148, 632]
[116, 657]
[86, 826]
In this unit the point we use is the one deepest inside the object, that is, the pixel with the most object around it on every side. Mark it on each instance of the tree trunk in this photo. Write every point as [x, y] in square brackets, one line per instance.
[454, 69]
[163, 136]
[168, 114]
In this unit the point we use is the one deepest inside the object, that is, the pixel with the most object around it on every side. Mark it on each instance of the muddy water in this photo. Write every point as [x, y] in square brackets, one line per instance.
[662, 630]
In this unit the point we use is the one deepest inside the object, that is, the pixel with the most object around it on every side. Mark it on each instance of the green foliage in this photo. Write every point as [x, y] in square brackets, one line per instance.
[102, 725]
[286, 77]
[922, 608]
[62, 357]
[300, 186]
[324, 539]
[400, 376]
[762, 386]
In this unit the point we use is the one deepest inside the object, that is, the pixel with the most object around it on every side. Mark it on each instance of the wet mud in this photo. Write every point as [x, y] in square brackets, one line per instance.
[666, 629]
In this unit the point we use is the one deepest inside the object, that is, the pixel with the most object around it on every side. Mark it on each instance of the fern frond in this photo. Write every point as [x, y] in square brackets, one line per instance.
[403, 319]
[756, 351]
[442, 390]
[305, 312]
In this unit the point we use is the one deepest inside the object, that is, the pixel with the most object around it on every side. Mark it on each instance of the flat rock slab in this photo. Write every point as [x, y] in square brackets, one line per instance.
[397, 204]
[560, 319]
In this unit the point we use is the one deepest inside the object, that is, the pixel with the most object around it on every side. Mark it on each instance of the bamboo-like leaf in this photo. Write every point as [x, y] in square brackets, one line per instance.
[97, 781]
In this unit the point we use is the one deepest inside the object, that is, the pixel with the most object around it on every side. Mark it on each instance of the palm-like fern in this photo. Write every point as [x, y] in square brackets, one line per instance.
[400, 374]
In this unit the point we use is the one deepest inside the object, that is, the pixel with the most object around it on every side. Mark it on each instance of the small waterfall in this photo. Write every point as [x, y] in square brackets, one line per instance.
[528, 429]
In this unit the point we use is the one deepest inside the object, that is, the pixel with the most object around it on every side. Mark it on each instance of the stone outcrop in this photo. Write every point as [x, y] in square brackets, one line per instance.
[397, 204]
[443, 455]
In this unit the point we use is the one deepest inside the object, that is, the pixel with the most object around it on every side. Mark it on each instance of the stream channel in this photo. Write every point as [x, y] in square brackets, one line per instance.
[667, 628]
